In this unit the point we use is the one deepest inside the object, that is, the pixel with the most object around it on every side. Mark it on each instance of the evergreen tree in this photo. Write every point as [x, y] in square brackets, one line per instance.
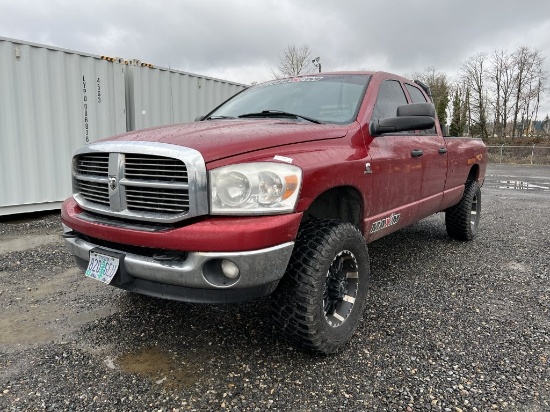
[439, 85]
[464, 125]
[441, 98]
[456, 124]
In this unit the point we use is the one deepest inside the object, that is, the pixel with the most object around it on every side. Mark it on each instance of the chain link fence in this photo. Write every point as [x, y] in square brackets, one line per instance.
[524, 155]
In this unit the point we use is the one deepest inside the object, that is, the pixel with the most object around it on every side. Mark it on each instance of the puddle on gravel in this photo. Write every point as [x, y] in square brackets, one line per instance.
[164, 368]
[519, 185]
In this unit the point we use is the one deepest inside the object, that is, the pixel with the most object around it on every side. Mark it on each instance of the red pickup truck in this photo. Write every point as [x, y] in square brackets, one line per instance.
[277, 191]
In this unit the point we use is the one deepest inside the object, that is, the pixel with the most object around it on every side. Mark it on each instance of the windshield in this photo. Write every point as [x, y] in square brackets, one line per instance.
[326, 99]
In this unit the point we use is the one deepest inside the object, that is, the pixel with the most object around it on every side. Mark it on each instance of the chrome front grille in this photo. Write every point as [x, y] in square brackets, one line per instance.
[154, 199]
[155, 184]
[93, 170]
[93, 164]
[142, 181]
[97, 192]
[154, 168]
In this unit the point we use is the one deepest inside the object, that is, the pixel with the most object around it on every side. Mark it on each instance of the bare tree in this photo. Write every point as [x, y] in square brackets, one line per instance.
[474, 74]
[295, 60]
[497, 73]
[537, 86]
[529, 84]
[507, 86]
[539, 90]
[521, 62]
[501, 84]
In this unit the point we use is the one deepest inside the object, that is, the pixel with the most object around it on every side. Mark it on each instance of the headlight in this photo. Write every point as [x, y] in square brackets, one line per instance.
[254, 188]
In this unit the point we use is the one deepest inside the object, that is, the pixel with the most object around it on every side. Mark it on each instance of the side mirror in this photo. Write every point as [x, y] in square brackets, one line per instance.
[416, 109]
[414, 116]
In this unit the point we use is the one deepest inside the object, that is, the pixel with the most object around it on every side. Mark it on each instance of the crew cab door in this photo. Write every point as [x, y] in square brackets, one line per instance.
[396, 165]
[433, 161]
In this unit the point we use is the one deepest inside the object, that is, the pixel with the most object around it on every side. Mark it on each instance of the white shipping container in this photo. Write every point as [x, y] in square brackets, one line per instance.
[157, 96]
[52, 101]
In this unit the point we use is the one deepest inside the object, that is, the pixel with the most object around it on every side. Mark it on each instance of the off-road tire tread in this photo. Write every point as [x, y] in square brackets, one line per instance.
[457, 218]
[295, 307]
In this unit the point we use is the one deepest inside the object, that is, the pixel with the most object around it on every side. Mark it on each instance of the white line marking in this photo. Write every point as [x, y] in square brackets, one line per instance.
[337, 316]
[349, 299]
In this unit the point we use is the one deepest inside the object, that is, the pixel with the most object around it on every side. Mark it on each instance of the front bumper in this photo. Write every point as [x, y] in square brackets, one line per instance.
[191, 276]
[222, 234]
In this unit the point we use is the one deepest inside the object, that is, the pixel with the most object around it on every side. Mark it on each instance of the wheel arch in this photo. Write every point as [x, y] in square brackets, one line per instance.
[343, 203]
[473, 175]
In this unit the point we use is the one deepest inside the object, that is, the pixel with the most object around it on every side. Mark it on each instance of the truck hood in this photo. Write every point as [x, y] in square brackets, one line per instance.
[217, 139]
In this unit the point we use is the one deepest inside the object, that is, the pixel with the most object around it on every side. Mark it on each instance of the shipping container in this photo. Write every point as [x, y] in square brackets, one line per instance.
[156, 96]
[52, 101]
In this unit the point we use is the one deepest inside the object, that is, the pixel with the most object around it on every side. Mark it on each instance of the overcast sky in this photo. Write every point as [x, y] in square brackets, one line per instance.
[242, 40]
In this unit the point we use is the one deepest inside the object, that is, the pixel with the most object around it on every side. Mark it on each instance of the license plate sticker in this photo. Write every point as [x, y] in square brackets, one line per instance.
[102, 267]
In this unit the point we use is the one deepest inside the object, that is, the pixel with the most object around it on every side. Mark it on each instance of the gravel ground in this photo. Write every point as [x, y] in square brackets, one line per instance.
[449, 326]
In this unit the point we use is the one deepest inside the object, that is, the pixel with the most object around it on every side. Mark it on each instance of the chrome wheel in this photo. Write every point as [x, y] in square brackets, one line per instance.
[341, 286]
[474, 213]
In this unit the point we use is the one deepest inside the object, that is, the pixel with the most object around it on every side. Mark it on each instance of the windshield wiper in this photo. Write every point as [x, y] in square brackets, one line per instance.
[279, 113]
[219, 117]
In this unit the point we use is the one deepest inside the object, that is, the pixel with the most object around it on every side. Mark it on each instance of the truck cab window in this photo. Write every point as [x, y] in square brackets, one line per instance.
[418, 97]
[390, 96]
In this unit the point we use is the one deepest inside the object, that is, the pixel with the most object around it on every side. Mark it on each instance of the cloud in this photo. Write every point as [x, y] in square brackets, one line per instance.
[241, 40]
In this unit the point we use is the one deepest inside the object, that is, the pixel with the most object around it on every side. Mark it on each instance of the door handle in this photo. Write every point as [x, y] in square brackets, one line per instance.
[442, 150]
[417, 153]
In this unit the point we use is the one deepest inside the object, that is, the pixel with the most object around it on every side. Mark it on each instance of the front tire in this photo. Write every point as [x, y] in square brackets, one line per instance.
[462, 220]
[320, 300]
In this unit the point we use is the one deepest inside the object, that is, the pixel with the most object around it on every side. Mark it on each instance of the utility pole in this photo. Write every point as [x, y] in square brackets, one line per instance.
[317, 63]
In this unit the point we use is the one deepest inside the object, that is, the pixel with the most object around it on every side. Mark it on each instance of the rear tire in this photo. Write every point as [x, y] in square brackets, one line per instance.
[462, 220]
[320, 300]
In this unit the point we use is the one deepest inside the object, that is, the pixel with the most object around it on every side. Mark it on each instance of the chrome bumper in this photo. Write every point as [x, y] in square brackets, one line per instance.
[195, 269]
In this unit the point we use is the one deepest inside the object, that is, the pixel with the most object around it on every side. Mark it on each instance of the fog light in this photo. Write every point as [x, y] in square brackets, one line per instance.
[230, 269]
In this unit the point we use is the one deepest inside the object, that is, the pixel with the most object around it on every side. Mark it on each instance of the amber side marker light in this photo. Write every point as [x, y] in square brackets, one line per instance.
[291, 183]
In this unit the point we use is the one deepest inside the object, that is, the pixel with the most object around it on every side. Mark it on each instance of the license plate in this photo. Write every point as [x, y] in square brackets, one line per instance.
[102, 267]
